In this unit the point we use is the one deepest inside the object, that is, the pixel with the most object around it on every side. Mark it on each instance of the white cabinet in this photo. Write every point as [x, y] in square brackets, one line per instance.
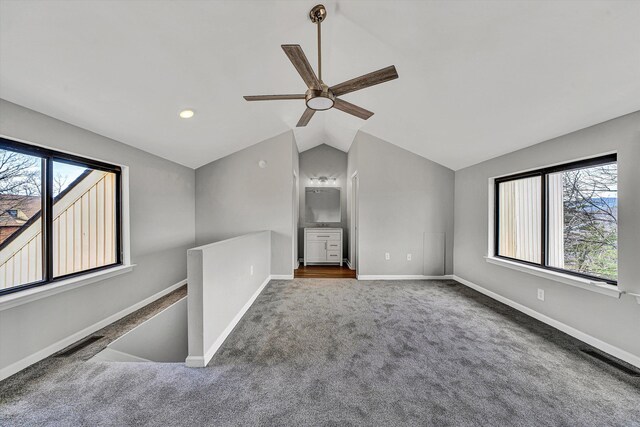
[323, 246]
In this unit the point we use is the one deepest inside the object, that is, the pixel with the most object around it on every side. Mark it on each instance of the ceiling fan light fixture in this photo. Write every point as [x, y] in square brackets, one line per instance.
[319, 100]
[320, 103]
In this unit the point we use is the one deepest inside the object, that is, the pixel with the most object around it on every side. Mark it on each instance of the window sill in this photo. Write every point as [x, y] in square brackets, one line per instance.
[567, 279]
[33, 294]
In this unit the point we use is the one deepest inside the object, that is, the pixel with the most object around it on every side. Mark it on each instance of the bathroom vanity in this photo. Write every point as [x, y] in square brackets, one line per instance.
[323, 246]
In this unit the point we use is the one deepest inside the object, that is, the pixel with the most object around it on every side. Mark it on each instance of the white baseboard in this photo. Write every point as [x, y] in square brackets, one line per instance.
[201, 361]
[65, 342]
[403, 277]
[281, 276]
[595, 342]
[111, 355]
[195, 362]
[636, 296]
[348, 264]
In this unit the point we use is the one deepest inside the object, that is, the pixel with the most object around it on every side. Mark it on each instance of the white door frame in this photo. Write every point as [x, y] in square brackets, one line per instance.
[294, 219]
[354, 225]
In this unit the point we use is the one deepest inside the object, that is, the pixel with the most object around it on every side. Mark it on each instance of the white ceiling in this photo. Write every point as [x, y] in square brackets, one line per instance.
[477, 78]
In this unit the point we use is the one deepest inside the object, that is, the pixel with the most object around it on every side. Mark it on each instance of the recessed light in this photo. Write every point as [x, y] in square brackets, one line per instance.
[186, 114]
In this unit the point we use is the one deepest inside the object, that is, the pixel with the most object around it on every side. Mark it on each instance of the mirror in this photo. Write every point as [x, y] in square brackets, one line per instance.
[322, 204]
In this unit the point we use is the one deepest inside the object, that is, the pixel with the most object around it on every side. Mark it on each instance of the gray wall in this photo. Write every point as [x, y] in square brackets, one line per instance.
[610, 320]
[221, 284]
[162, 229]
[162, 338]
[323, 160]
[402, 196]
[235, 196]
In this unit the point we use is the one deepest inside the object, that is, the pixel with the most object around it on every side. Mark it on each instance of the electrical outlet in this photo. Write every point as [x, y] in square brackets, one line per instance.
[251, 270]
[408, 257]
[541, 294]
[387, 256]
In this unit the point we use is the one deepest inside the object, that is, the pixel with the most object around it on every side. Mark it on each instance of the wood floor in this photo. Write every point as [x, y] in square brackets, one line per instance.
[324, 272]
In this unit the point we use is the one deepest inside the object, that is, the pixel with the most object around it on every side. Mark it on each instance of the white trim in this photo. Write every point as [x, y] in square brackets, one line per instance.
[403, 277]
[201, 361]
[281, 276]
[195, 362]
[295, 201]
[637, 296]
[354, 221]
[586, 284]
[225, 241]
[595, 342]
[348, 264]
[32, 294]
[124, 212]
[65, 342]
[112, 355]
[330, 263]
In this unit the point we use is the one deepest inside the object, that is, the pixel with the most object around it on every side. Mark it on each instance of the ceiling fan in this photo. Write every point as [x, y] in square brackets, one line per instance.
[319, 96]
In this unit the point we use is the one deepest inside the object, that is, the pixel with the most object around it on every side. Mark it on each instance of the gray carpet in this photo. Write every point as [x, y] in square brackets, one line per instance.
[341, 352]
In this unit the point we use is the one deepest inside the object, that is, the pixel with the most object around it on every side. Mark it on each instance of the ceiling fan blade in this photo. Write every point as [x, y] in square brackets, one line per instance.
[354, 110]
[299, 60]
[272, 97]
[374, 78]
[306, 116]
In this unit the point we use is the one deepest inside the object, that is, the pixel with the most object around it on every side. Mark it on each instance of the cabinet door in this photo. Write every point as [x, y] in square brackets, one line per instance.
[316, 251]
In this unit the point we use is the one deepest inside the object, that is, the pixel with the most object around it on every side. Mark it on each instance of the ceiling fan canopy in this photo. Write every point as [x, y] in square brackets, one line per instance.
[319, 96]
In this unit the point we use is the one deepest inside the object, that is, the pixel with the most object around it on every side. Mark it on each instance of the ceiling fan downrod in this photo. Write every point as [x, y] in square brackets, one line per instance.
[317, 15]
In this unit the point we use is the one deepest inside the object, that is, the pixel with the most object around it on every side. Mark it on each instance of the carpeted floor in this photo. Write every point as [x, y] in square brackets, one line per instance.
[341, 352]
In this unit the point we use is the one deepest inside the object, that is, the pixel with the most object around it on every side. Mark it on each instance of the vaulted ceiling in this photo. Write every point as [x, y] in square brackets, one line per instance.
[477, 78]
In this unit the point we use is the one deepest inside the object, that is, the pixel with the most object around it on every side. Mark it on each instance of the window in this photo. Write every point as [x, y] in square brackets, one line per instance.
[60, 216]
[562, 218]
[520, 219]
